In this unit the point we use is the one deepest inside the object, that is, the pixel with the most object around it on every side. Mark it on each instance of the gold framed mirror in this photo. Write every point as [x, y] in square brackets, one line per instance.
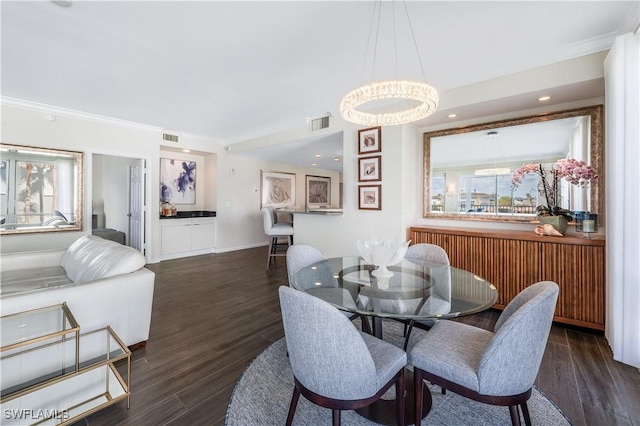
[40, 190]
[468, 170]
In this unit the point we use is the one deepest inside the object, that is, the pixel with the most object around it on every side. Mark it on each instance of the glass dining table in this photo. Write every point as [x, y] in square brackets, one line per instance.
[416, 291]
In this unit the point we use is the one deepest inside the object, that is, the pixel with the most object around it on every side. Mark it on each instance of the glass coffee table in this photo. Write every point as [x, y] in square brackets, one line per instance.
[52, 374]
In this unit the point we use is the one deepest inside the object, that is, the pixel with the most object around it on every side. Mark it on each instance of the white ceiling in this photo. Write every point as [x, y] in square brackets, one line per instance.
[239, 70]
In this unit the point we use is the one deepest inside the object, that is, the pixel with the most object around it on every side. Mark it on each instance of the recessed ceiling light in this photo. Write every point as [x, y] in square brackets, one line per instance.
[544, 98]
[186, 150]
[318, 155]
[314, 164]
[336, 159]
[452, 115]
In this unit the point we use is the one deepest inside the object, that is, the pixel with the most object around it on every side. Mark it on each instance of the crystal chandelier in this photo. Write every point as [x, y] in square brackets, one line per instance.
[404, 90]
[493, 171]
[392, 89]
[496, 171]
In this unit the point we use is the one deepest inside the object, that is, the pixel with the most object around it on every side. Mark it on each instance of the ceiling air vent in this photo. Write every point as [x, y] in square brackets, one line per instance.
[320, 123]
[169, 137]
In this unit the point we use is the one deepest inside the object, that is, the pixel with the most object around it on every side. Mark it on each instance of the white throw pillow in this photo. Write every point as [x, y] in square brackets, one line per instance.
[92, 258]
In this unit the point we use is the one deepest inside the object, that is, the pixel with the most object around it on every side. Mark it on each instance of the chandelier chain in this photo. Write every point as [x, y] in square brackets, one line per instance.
[375, 45]
[424, 94]
[366, 50]
[395, 39]
[413, 36]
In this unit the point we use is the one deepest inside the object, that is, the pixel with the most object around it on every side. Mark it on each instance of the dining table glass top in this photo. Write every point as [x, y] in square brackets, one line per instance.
[416, 290]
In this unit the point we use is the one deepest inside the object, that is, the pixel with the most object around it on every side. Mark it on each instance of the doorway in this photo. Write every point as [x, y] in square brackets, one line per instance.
[118, 200]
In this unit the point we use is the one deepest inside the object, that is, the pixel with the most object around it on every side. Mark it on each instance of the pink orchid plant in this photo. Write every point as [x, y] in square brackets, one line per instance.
[576, 172]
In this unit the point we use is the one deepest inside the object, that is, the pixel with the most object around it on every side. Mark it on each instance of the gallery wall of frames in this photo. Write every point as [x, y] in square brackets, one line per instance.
[370, 169]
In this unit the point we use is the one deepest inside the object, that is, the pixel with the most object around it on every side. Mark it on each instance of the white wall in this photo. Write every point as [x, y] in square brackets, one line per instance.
[336, 235]
[239, 222]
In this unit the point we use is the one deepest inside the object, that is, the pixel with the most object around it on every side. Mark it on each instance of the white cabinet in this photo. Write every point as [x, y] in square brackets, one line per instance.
[203, 234]
[176, 236]
[187, 237]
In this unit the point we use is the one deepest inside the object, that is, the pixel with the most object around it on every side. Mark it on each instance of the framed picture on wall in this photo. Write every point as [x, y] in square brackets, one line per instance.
[278, 189]
[318, 190]
[177, 181]
[369, 168]
[370, 197]
[370, 140]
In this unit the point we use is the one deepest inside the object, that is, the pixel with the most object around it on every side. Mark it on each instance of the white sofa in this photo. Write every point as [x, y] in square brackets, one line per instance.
[103, 282]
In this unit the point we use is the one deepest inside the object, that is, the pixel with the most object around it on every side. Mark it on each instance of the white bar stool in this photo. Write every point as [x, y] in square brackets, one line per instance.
[275, 231]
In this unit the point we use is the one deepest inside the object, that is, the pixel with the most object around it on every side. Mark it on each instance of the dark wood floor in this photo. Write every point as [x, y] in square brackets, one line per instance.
[213, 314]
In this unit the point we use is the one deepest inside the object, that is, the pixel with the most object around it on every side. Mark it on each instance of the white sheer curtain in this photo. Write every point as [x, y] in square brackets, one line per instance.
[622, 156]
[66, 189]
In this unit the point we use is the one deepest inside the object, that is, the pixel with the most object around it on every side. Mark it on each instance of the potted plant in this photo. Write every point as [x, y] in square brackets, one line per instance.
[576, 172]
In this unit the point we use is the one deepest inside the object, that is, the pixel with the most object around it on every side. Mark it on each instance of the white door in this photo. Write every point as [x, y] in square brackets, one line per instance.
[136, 205]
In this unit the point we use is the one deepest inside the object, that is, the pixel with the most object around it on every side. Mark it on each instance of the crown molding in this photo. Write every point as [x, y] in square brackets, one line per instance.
[55, 110]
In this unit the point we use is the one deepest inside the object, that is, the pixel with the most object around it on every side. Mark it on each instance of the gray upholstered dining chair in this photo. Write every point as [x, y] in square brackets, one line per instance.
[496, 368]
[303, 255]
[334, 365]
[275, 231]
[427, 252]
[433, 254]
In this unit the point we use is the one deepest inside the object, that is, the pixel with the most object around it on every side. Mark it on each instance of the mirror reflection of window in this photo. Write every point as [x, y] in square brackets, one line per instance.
[470, 168]
[526, 196]
[4, 189]
[437, 193]
[35, 191]
[39, 189]
[492, 195]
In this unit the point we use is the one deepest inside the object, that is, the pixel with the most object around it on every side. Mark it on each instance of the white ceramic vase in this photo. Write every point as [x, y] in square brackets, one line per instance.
[382, 254]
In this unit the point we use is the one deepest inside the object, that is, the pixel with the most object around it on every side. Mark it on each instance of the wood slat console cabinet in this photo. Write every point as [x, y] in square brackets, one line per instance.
[513, 260]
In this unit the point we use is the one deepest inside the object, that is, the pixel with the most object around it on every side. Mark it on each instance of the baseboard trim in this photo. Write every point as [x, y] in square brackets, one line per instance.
[243, 247]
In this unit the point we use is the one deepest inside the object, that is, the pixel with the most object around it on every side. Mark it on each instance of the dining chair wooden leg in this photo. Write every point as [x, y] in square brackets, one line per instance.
[366, 327]
[525, 413]
[293, 405]
[400, 402]
[336, 417]
[407, 334]
[515, 415]
[418, 388]
[270, 253]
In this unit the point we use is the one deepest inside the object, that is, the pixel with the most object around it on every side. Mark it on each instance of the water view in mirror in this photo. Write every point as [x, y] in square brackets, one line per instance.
[40, 190]
[469, 171]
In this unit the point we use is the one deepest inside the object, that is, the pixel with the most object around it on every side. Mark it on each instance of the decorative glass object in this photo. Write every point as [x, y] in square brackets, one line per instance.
[589, 224]
[382, 254]
[579, 217]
